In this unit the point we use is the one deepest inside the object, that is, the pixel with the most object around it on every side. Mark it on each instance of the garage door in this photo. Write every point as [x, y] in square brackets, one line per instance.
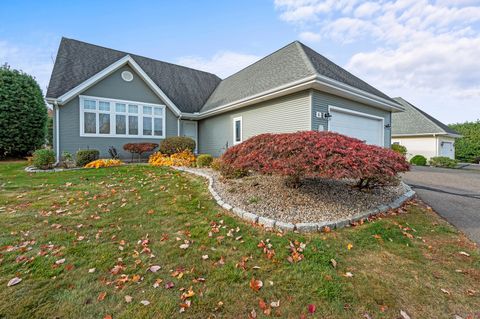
[359, 125]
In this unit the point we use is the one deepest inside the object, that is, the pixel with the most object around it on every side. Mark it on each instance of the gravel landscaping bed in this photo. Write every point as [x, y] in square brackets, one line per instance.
[316, 200]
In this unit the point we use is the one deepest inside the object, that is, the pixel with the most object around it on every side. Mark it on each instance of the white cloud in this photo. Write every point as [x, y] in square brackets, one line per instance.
[366, 10]
[310, 36]
[223, 63]
[36, 61]
[417, 47]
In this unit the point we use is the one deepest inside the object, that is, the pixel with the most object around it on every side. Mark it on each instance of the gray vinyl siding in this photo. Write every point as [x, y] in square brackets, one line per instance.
[291, 113]
[321, 101]
[113, 87]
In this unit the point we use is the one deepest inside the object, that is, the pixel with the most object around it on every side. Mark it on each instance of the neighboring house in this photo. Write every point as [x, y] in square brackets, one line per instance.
[421, 133]
[103, 97]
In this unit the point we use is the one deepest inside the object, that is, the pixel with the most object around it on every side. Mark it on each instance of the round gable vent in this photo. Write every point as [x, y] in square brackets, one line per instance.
[127, 76]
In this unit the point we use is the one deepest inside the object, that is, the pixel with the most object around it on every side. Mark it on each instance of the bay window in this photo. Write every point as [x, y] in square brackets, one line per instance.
[117, 118]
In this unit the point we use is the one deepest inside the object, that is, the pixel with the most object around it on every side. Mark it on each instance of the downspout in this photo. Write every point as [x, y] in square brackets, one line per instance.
[57, 133]
[178, 124]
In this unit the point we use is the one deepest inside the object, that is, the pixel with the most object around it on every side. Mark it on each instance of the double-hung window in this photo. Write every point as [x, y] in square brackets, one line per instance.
[118, 118]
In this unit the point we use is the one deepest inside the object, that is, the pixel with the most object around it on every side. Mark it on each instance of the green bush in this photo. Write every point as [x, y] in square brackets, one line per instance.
[23, 114]
[399, 149]
[43, 159]
[418, 160]
[204, 160]
[443, 161]
[216, 164]
[50, 131]
[467, 148]
[84, 157]
[176, 144]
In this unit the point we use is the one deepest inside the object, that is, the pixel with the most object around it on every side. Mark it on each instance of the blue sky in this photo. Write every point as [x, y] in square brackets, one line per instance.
[425, 51]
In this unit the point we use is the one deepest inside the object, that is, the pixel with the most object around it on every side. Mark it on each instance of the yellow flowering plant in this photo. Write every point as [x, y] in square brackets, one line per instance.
[185, 158]
[104, 163]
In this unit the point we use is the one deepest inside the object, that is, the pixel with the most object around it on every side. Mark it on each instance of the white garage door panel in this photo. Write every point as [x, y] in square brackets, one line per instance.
[365, 128]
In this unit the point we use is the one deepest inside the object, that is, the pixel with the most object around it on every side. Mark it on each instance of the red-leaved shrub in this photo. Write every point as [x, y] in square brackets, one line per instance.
[139, 148]
[316, 154]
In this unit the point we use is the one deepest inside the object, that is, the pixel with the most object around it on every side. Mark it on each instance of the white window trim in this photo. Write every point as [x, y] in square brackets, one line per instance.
[113, 114]
[348, 111]
[236, 119]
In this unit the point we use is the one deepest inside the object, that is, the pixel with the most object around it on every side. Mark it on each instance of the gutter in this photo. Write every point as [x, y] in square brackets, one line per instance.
[312, 82]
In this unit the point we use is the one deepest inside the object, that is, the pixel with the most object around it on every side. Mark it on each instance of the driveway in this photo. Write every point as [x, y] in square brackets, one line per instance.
[453, 193]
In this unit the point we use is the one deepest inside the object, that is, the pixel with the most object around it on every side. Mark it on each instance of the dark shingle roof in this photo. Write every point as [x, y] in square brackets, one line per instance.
[327, 68]
[415, 121]
[192, 90]
[78, 61]
[291, 63]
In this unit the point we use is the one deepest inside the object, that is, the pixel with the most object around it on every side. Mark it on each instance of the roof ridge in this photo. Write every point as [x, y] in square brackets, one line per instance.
[252, 64]
[305, 57]
[138, 55]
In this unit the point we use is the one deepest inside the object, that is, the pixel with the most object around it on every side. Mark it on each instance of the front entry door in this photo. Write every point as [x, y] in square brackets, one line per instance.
[190, 130]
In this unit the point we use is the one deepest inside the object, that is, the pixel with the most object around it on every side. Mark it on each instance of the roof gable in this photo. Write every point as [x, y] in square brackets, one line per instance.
[414, 121]
[78, 61]
[291, 63]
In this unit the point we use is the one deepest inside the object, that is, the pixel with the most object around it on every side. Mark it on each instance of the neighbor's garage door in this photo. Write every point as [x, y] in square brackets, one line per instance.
[355, 124]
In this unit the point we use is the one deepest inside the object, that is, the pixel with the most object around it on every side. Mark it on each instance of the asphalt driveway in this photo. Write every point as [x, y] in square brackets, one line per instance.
[453, 193]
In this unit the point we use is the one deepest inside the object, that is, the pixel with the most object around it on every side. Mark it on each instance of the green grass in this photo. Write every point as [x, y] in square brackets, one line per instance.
[86, 216]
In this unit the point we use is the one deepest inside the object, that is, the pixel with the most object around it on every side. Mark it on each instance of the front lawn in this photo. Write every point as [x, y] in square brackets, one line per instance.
[83, 243]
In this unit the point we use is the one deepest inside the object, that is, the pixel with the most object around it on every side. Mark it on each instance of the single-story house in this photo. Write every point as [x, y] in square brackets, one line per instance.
[104, 97]
[421, 133]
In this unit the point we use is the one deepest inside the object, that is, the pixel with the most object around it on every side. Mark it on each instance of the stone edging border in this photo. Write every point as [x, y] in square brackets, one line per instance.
[33, 169]
[301, 227]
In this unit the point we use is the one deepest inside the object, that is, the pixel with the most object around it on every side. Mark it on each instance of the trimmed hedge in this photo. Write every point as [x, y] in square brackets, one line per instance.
[23, 114]
[443, 161]
[43, 159]
[204, 160]
[177, 144]
[83, 157]
[418, 160]
[316, 154]
[399, 149]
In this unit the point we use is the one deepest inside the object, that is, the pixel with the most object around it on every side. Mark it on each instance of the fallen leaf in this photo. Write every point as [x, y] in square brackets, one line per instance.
[445, 291]
[349, 246]
[60, 261]
[333, 262]
[275, 304]
[348, 274]
[204, 257]
[128, 298]
[312, 308]
[252, 314]
[145, 302]
[256, 284]
[154, 268]
[102, 296]
[169, 285]
[14, 281]
[107, 317]
[464, 253]
[184, 246]
[404, 315]
[91, 270]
